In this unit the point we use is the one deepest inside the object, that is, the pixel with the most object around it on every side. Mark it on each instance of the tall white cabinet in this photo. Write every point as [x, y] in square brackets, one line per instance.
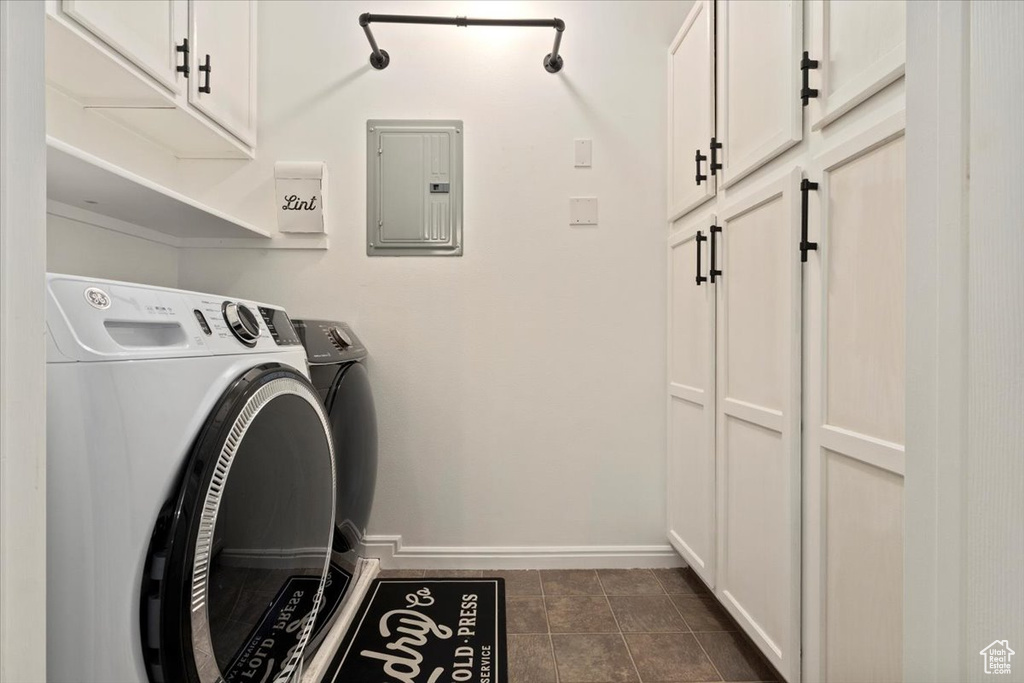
[785, 323]
[692, 308]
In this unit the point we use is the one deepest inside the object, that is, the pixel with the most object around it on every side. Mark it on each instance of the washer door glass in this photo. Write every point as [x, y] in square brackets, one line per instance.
[270, 528]
[259, 534]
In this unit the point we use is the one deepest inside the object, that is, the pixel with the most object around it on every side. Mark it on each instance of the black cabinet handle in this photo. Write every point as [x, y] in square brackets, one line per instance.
[806, 64]
[182, 49]
[714, 272]
[805, 187]
[715, 164]
[206, 69]
[697, 158]
[700, 239]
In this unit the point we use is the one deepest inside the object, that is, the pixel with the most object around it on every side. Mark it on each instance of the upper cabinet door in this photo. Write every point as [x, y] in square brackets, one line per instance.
[860, 46]
[145, 33]
[691, 111]
[759, 107]
[223, 79]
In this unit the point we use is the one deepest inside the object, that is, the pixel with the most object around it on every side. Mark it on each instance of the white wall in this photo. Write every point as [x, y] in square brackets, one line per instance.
[79, 248]
[519, 387]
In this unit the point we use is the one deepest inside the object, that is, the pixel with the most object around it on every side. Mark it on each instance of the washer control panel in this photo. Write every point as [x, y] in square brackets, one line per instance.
[90, 319]
[280, 325]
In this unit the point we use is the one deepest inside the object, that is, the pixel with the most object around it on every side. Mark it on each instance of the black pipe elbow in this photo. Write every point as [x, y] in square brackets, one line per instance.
[559, 25]
[364, 19]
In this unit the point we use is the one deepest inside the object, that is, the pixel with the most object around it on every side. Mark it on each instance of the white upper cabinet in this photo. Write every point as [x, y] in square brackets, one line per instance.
[181, 73]
[223, 83]
[691, 111]
[759, 108]
[144, 33]
[860, 47]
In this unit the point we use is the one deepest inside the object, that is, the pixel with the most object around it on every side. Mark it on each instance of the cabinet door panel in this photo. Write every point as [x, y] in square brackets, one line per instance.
[856, 388]
[691, 406]
[691, 104]
[145, 33]
[758, 419]
[226, 31]
[758, 106]
[860, 46]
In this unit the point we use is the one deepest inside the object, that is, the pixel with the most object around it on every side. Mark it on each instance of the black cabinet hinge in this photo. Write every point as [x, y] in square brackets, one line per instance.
[182, 49]
[805, 246]
[806, 64]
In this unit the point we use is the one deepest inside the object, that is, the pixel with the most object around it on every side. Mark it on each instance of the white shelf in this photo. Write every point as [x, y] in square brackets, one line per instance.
[79, 179]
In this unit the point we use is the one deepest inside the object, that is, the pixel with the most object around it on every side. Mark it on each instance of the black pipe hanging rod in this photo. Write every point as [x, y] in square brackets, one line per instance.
[379, 59]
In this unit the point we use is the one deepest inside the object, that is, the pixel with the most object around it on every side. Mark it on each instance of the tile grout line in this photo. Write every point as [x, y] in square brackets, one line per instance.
[622, 636]
[708, 594]
[696, 639]
[547, 622]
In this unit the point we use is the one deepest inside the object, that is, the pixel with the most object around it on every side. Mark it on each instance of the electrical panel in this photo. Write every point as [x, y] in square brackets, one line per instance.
[413, 188]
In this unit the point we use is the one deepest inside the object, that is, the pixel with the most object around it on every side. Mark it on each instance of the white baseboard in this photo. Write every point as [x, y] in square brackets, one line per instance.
[394, 555]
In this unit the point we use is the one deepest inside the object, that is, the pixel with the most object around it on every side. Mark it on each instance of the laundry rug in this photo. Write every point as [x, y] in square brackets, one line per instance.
[268, 647]
[426, 631]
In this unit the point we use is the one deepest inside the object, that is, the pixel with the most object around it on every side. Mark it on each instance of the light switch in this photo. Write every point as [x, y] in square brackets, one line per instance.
[583, 211]
[583, 153]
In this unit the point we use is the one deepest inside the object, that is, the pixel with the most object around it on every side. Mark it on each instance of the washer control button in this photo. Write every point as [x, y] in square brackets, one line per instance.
[202, 322]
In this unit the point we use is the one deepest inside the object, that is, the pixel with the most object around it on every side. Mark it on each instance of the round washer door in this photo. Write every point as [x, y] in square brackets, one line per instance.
[236, 567]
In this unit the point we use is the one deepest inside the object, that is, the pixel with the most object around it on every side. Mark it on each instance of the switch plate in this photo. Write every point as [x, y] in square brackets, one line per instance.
[583, 211]
[583, 153]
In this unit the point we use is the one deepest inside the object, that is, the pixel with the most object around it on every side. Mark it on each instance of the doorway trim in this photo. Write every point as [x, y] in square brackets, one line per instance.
[22, 342]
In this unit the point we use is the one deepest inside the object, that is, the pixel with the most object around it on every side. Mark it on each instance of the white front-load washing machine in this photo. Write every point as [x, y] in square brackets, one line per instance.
[190, 487]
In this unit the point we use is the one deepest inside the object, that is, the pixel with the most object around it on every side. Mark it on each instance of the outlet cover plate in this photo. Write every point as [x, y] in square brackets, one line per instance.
[583, 211]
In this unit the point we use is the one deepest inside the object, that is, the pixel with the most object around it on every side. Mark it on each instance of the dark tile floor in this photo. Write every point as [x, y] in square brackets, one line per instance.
[618, 626]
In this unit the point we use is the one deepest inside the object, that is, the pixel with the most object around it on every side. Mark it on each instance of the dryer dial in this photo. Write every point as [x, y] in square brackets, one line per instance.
[339, 337]
[242, 321]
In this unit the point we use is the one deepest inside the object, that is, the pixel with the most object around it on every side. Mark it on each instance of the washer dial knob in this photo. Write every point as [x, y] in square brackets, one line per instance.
[242, 321]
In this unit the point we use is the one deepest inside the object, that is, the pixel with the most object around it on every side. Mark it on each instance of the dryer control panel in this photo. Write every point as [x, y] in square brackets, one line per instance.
[329, 341]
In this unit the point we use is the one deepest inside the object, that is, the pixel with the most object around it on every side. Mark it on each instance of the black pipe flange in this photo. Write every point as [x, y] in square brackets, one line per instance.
[553, 66]
[381, 62]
